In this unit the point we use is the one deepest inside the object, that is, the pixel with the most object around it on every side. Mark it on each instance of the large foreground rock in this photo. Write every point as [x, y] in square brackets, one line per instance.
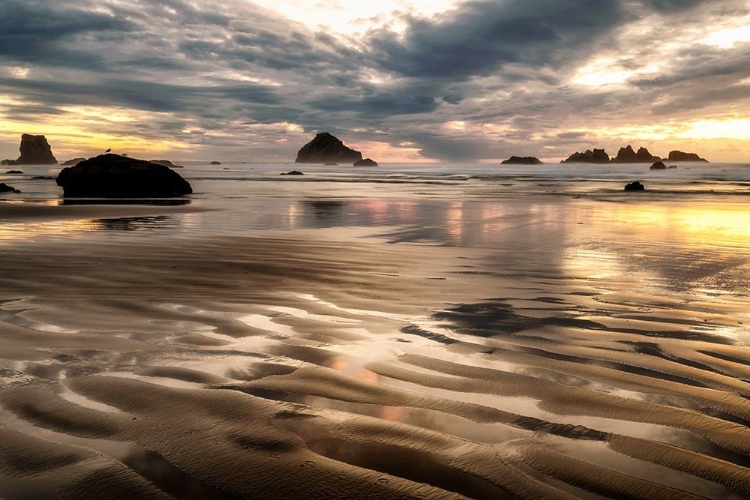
[326, 148]
[115, 176]
[522, 160]
[595, 156]
[680, 156]
[35, 150]
[627, 155]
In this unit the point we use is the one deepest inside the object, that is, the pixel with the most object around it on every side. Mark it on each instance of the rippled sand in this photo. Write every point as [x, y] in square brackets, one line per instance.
[343, 364]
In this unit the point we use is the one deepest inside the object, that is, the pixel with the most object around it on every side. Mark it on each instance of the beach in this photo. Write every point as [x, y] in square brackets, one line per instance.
[406, 331]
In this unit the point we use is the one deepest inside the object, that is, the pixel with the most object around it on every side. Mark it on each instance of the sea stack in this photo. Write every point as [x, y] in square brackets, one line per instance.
[115, 176]
[522, 160]
[627, 155]
[325, 148]
[595, 156]
[35, 150]
[680, 156]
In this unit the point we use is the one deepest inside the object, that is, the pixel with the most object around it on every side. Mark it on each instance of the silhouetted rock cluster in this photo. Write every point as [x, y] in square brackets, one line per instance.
[627, 155]
[595, 156]
[367, 162]
[4, 188]
[680, 156]
[115, 176]
[658, 166]
[325, 148]
[635, 186]
[8, 162]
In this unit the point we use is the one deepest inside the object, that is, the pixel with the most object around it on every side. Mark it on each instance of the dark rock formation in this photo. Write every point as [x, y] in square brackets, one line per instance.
[595, 156]
[4, 188]
[35, 150]
[326, 148]
[635, 186]
[525, 160]
[627, 155]
[166, 163]
[215, 163]
[74, 161]
[680, 156]
[293, 172]
[658, 166]
[8, 162]
[43, 178]
[115, 176]
[367, 162]
[14, 172]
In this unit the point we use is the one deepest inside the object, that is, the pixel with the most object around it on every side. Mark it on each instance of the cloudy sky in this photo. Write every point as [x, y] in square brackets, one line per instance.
[400, 80]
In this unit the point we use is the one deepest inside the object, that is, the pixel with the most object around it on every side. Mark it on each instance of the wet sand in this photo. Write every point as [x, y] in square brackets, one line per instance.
[372, 363]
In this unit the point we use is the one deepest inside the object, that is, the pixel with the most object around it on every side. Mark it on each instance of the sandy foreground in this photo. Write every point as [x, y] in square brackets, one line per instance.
[333, 364]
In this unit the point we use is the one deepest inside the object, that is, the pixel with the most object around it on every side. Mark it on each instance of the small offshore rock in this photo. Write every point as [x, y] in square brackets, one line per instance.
[367, 162]
[658, 166]
[4, 188]
[293, 172]
[635, 186]
[522, 160]
[14, 172]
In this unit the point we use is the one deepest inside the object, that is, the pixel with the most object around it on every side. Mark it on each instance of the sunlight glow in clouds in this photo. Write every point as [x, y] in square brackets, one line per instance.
[348, 17]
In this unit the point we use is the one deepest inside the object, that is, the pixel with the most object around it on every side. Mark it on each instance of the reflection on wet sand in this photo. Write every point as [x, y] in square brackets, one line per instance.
[539, 350]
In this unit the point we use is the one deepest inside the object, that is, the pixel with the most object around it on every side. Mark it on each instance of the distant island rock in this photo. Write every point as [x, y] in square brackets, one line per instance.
[4, 188]
[325, 148]
[166, 163]
[595, 156]
[367, 162]
[659, 165]
[215, 163]
[35, 150]
[14, 172]
[72, 162]
[627, 155]
[635, 186]
[115, 176]
[522, 160]
[680, 156]
[8, 162]
[293, 172]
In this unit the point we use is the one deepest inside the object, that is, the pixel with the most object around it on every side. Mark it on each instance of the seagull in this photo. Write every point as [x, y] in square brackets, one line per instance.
[108, 151]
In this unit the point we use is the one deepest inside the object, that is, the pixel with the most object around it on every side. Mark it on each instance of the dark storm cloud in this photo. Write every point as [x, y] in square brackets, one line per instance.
[484, 35]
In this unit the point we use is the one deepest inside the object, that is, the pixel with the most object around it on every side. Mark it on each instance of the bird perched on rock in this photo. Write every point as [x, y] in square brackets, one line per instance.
[108, 151]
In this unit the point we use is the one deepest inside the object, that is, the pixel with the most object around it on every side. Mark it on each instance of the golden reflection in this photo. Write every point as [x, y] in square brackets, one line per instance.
[493, 219]
[454, 221]
[26, 231]
[292, 215]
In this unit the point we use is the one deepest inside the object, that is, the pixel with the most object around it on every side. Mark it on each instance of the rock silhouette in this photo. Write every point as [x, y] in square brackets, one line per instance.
[325, 148]
[522, 160]
[627, 155]
[367, 162]
[35, 150]
[115, 176]
[635, 186]
[595, 156]
[73, 161]
[658, 166]
[680, 156]
[4, 188]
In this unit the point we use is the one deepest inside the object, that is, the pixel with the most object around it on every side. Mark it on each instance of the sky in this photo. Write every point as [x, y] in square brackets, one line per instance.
[399, 80]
